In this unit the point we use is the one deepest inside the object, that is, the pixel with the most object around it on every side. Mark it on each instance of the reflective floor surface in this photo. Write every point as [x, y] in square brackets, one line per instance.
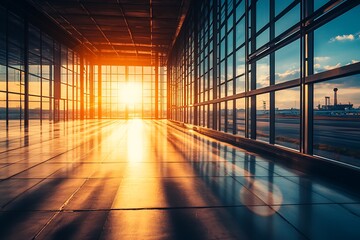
[144, 179]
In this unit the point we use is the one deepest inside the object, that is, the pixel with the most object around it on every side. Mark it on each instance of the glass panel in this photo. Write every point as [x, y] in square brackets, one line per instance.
[222, 116]
[280, 5]
[240, 32]
[263, 38]
[336, 43]
[287, 62]
[240, 84]
[2, 78]
[34, 85]
[34, 107]
[262, 72]
[230, 114]
[240, 116]
[230, 68]
[262, 117]
[337, 119]
[2, 105]
[287, 118]
[14, 82]
[319, 3]
[262, 13]
[288, 20]
[240, 61]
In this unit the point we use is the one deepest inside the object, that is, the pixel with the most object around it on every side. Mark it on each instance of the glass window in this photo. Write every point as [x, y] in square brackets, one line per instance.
[262, 72]
[263, 38]
[337, 119]
[262, 117]
[287, 62]
[230, 88]
[240, 10]
[2, 105]
[288, 20]
[240, 116]
[230, 42]
[240, 84]
[336, 43]
[222, 110]
[240, 61]
[34, 85]
[16, 106]
[3, 78]
[230, 68]
[34, 107]
[262, 13]
[230, 114]
[14, 80]
[319, 3]
[280, 5]
[287, 118]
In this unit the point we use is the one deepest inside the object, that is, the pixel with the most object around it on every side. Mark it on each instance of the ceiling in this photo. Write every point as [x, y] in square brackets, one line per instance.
[129, 32]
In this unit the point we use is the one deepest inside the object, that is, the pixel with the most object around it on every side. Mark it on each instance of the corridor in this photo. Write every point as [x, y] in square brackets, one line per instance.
[147, 179]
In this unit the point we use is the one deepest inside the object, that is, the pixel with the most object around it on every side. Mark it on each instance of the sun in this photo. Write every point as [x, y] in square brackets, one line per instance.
[130, 93]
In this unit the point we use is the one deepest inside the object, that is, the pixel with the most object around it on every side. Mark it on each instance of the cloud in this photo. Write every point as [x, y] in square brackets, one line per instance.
[321, 59]
[288, 74]
[343, 38]
[319, 68]
[329, 67]
[317, 65]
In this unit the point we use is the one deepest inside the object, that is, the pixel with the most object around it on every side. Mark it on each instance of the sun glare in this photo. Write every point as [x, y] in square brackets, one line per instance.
[130, 93]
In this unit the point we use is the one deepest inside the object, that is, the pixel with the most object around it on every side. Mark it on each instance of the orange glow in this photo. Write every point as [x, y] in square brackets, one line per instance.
[130, 93]
[136, 142]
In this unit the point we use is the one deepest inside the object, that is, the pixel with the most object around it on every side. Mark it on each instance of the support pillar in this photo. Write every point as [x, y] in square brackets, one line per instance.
[26, 75]
[156, 85]
[92, 91]
[99, 91]
[82, 83]
[57, 82]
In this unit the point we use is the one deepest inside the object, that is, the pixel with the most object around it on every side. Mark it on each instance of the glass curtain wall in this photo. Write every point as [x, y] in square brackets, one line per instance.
[27, 56]
[129, 91]
[286, 73]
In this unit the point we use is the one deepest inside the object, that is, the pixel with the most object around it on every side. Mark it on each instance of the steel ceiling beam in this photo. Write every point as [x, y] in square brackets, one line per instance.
[127, 25]
[97, 26]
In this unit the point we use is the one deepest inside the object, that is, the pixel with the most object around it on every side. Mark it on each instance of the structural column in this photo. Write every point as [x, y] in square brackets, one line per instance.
[307, 90]
[253, 71]
[99, 91]
[92, 91]
[156, 85]
[196, 67]
[272, 76]
[82, 83]
[26, 75]
[57, 84]
[215, 64]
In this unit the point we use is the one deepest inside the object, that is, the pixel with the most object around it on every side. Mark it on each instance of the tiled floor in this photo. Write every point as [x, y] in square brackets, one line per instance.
[143, 179]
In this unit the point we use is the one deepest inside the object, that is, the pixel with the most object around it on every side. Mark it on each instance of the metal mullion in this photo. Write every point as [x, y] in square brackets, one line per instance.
[234, 66]
[215, 67]
[328, 15]
[247, 115]
[196, 66]
[253, 71]
[99, 91]
[334, 73]
[275, 18]
[41, 80]
[272, 75]
[7, 68]
[307, 90]
[26, 72]
[226, 69]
